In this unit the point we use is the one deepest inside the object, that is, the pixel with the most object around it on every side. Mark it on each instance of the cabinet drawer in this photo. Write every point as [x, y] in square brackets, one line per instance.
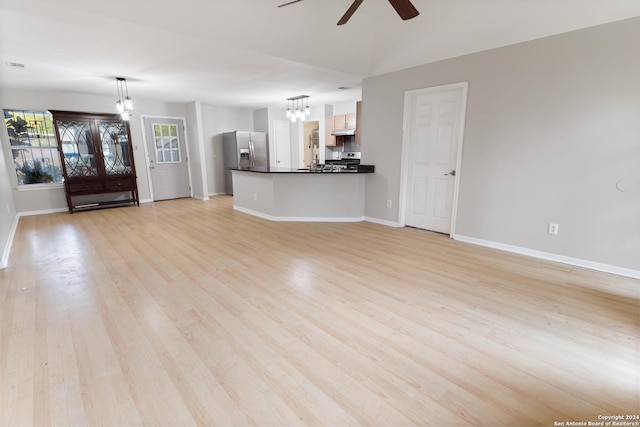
[85, 187]
[119, 185]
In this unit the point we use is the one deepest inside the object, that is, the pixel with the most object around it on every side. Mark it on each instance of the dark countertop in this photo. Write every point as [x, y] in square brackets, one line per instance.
[268, 169]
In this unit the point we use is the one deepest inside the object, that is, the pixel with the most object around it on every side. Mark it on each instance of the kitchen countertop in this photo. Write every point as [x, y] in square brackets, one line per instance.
[268, 169]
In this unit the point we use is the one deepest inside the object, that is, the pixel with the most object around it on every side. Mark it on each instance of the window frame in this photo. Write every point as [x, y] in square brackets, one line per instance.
[35, 126]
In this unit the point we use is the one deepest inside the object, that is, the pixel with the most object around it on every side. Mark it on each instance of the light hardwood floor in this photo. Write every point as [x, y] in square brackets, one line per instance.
[189, 313]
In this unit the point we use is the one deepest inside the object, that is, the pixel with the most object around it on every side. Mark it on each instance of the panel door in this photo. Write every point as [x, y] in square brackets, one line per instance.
[282, 140]
[168, 167]
[433, 146]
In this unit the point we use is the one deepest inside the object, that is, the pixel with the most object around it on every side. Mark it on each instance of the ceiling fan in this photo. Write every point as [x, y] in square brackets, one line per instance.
[404, 8]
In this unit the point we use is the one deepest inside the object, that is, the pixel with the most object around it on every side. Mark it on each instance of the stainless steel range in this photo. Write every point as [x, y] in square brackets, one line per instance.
[348, 160]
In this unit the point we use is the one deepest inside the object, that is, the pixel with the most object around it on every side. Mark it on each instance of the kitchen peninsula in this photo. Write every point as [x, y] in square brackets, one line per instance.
[300, 195]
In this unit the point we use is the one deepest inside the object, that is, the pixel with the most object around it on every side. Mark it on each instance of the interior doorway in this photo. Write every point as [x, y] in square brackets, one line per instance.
[432, 154]
[282, 141]
[311, 141]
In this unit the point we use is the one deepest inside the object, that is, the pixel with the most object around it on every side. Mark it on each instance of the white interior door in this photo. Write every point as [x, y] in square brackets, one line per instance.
[434, 121]
[282, 141]
[167, 150]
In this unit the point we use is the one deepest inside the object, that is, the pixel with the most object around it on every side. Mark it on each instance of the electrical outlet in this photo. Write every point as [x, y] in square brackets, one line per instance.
[553, 228]
[389, 204]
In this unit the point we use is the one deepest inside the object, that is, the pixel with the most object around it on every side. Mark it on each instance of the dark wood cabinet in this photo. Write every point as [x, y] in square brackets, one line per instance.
[97, 160]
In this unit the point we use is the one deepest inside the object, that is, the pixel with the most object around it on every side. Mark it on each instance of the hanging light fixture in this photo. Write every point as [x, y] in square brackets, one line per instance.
[124, 104]
[296, 109]
[288, 109]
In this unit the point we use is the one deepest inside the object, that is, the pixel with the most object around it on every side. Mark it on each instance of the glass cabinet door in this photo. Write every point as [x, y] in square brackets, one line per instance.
[115, 148]
[79, 156]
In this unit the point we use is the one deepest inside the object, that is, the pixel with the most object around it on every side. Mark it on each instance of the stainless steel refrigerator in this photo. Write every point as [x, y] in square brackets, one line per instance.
[243, 150]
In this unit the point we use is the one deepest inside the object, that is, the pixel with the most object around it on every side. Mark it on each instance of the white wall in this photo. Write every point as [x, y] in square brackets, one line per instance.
[344, 108]
[552, 126]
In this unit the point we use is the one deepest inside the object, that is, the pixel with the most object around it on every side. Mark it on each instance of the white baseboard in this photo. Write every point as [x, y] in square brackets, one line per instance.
[146, 201]
[4, 261]
[43, 212]
[298, 219]
[606, 268]
[382, 222]
[217, 194]
[203, 198]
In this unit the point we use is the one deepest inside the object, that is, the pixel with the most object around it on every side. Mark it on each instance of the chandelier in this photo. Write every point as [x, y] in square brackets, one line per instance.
[124, 104]
[296, 107]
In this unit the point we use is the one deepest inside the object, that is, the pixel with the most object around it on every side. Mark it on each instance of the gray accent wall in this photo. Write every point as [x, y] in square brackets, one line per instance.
[552, 130]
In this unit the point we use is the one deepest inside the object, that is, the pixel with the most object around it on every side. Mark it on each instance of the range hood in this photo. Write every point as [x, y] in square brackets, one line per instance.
[344, 132]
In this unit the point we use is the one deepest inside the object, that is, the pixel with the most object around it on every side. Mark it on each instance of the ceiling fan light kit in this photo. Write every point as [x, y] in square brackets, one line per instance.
[404, 8]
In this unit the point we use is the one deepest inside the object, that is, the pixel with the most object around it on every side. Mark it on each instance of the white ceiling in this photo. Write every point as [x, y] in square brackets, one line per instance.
[250, 53]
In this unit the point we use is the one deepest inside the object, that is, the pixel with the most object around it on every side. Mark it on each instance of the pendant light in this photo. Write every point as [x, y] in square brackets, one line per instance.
[124, 104]
[297, 109]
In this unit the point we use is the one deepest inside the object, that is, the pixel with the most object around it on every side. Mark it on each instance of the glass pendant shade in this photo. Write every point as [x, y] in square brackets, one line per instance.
[124, 103]
[296, 108]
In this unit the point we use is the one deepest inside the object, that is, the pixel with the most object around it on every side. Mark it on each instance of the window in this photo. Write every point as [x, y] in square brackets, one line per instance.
[167, 143]
[33, 145]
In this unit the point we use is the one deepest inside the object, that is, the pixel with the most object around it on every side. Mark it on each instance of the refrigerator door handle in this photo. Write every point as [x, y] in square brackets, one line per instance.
[252, 153]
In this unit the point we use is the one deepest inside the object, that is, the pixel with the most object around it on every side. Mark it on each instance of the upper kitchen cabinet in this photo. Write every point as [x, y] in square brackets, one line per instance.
[329, 126]
[338, 122]
[344, 121]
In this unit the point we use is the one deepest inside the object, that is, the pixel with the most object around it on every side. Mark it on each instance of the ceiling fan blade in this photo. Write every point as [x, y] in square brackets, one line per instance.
[405, 9]
[352, 9]
[291, 2]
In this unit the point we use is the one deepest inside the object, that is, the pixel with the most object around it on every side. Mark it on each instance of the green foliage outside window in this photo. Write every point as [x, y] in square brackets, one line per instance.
[33, 145]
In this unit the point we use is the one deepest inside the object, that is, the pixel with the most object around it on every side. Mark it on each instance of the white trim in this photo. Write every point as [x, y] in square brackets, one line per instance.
[146, 201]
[203, 156]
[43, 212]
[382, 222]
[606, 268]
[4, 262]
[40, 187]
[298, 219]
[408, 96]
[217, 194]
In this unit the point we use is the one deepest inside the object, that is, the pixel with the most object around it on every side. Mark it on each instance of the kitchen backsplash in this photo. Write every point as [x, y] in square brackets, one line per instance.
[348, 146]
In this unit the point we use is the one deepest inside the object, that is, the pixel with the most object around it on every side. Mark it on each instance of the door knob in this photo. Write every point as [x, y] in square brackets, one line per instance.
[452, 173]
[151, 167]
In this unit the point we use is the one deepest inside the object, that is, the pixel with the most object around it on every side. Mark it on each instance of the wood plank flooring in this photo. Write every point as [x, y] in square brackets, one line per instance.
[186, 312]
